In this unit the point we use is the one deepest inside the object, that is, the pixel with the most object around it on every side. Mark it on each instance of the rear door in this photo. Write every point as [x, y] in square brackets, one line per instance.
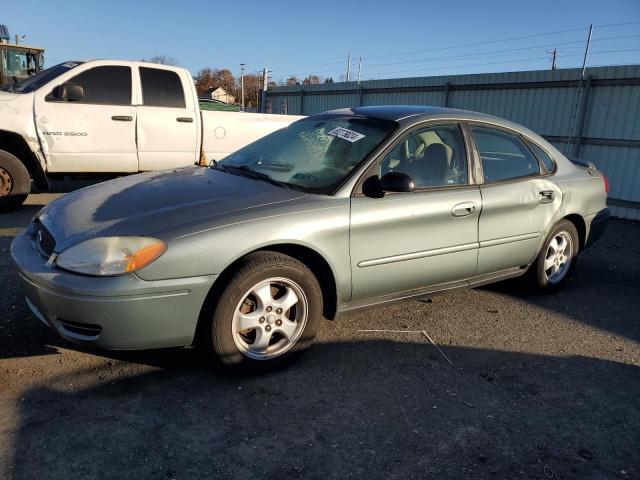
[167, 120]
[96, 133]
[518, 201]
[403, 242]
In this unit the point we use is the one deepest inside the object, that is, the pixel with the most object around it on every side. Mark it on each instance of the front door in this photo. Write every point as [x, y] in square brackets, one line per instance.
[406, 241]
[518, 202]
[167, 122]
[96, 133]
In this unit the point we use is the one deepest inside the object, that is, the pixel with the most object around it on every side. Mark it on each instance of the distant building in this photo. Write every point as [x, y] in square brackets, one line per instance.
[220, 94]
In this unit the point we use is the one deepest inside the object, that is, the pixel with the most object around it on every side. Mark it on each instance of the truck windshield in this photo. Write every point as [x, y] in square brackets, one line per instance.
[33, 83]
[315, 154]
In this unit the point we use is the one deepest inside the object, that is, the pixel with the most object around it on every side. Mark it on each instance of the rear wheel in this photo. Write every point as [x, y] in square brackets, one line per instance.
[15, 182]
[557, 259]
[267, 315]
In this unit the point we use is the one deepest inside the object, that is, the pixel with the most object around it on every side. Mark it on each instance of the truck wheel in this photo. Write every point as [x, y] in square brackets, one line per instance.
[266, 316]
[557, 258]
[15, 182]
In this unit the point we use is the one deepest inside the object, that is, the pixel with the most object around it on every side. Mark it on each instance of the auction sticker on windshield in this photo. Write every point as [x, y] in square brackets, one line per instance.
[345, 134]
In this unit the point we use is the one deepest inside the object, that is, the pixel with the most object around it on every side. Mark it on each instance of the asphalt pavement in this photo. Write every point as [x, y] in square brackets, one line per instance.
[517, 385]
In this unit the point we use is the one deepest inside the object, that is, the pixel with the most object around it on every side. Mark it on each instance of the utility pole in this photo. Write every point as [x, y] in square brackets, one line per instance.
[579, 95]
[554, 55]
[265, 83]
[348, 65]
[586, 50]
[359, 68]
[242, 85]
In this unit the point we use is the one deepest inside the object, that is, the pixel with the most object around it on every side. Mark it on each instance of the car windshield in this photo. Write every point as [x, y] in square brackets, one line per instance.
[315, 154]
[33, 83]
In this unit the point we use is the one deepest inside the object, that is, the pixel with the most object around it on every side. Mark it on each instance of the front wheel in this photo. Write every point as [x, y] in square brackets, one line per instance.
[266, 316]
[557, 258]
[15, 182]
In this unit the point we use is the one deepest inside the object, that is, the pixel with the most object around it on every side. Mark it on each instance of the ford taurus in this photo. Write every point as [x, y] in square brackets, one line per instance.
[347, 209]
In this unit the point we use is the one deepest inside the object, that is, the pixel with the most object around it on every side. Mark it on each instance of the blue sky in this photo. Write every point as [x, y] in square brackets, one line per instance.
[395, 38]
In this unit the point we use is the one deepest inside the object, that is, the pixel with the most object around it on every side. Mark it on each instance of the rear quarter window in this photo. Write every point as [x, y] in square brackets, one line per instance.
[544, 157]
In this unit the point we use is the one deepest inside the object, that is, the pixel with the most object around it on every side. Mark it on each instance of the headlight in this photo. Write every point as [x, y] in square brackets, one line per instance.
[111, 255]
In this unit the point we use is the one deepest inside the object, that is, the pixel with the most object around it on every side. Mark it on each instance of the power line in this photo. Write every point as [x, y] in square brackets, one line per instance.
[479, 54]
[475, 44]
[294, 70]
[492, 52]
[522, 60]
[523, 37]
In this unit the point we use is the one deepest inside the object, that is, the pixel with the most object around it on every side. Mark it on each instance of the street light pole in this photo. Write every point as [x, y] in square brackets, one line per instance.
[242, 84]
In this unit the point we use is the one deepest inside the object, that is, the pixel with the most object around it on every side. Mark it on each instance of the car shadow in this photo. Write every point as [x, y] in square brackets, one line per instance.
[363, 408]
[603, 291]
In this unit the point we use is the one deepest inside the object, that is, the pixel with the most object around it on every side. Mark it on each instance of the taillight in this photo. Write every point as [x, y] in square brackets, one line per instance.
[606, 184]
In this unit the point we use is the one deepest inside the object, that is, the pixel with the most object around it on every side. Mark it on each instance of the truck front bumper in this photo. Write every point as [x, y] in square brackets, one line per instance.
[122, 313]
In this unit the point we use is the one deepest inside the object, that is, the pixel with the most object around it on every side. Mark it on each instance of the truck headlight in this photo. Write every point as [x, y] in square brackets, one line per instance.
[106, 256]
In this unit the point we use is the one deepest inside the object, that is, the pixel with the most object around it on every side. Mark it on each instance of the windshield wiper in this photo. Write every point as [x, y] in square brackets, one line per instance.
[249, 173]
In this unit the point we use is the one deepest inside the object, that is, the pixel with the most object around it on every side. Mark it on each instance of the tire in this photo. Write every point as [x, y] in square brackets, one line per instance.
[551, 271]
[15, 182]
[248, 314]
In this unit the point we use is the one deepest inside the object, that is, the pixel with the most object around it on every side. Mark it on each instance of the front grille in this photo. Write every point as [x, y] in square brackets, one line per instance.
[44, 240]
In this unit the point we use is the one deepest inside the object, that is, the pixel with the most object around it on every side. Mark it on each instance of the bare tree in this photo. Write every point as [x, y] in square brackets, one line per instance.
[311, 80]
[293, 80]
[252, 87]
[162, 59]
[208, 78]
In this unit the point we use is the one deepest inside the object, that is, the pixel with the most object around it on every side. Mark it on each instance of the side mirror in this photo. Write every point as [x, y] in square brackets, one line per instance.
[69, 92]
[397, 182]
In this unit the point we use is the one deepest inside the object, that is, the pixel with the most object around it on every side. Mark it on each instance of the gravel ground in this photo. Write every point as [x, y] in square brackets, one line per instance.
[538, 387]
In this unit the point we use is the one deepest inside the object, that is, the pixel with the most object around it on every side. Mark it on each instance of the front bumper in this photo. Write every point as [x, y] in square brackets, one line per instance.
[597, 227]
[123, 312]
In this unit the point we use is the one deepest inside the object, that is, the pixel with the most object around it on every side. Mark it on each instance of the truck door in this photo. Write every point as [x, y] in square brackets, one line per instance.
[95, 133]
[167, 121]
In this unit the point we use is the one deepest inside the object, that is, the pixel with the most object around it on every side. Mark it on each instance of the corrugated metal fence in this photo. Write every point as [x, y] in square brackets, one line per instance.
[597, 119]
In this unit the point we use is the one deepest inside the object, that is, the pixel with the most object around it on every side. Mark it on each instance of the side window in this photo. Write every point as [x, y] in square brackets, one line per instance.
[161, 88]
[109, 85]
[432, 157]
[504, 155]
[544, 157]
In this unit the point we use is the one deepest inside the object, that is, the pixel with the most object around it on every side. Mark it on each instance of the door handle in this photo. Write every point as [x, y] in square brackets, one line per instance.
[122, 118]
[546, 196]
[463, 209]
[185, 119]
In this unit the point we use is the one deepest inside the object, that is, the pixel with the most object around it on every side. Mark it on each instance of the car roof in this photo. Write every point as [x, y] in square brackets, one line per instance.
[415, 113]
[410, 114]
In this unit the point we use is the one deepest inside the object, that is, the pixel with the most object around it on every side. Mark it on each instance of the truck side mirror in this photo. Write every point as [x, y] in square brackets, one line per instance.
[69, 92]
[397, 182]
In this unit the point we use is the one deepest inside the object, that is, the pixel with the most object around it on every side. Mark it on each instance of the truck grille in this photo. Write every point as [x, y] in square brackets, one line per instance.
[44, 240]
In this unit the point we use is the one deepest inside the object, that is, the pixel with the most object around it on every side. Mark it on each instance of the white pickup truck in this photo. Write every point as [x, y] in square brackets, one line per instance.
[112, 117]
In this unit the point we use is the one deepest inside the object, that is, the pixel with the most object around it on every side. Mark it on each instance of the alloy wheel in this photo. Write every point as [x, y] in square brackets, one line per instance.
[270, 318]
[558, 257]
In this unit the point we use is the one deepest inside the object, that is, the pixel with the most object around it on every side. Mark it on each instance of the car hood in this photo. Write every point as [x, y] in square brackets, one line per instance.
[156, 204]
